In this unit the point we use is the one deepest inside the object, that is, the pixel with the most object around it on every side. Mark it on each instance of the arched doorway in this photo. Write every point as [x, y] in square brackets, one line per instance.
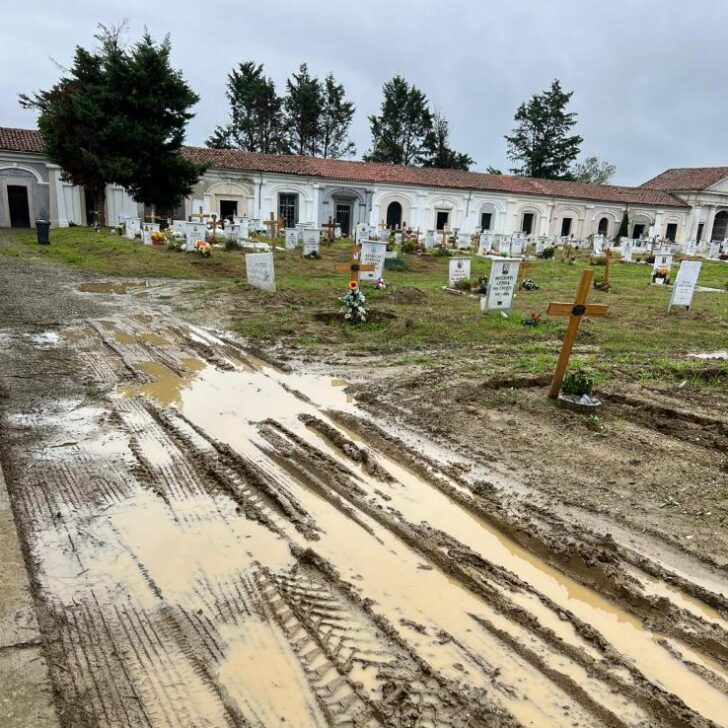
[720, 226]
[603, 228]
[394, 215]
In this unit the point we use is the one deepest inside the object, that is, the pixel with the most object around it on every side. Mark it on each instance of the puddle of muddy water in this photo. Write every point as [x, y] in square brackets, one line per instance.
[117, 288]
[228, 404]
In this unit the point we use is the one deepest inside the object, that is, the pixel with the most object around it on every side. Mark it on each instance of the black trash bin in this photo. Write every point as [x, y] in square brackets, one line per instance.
[42, 229]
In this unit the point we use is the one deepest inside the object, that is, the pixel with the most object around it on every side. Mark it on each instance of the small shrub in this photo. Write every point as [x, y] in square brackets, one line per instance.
[231, 244]
[464, 285]
[578, 383]
[482, 284]
[394, 264]
[409, 246]
[547, 253]
[442, 252]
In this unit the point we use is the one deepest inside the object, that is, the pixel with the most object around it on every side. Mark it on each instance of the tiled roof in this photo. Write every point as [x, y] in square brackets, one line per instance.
[371, 173]
[27, 140]
[687, 179]
[21, 140]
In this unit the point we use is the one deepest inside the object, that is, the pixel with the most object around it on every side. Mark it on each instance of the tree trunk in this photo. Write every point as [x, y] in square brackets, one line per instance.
[100, 198]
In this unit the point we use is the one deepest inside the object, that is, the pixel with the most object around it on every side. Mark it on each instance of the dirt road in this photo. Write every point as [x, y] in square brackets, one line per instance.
[217, 542]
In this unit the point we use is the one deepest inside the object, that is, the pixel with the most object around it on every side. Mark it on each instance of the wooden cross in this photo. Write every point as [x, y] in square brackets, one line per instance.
[198, 215]
[330, 228]
[575, 311]
[215, 225]
[354, 267]
[274, 226]
[522, 268]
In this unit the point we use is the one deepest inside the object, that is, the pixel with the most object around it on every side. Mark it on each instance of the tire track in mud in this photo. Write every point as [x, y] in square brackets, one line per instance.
[174, 547]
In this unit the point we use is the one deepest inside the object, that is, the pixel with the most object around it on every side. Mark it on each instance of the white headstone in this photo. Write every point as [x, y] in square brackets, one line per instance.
[684, 287]
[517, 243]
[147, 229]
[485, 243]
[502, 284]
[398, 238]
[311, 242]
[362, 232]
[291, 238]
[459, 271]
[429, 239]
[714, 251]
[384, 235]
[462, 241]
[626, 249]
[503, 244]
[598, 245]
[195, 231]
[133, 226]
[662, 260]
[260, 271]
[373, 253]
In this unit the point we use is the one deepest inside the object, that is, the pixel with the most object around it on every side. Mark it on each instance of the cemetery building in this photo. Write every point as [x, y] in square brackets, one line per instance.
[679, 204]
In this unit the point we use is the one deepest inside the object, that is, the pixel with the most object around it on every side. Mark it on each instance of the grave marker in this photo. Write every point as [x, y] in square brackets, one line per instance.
[575, 311]
[429, 239]
[291, 238]
[684, 287]
[462, 241]
[502, 284]
[355, 268]
[260, 271]
[373, 253]
[459, 271]
[311, 242]
[133, 226]
[274, 226]
[147, 229]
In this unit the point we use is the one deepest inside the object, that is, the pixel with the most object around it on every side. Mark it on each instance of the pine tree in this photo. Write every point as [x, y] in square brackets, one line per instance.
[541, 142]
[437, 151]
[399, 132]
[335, 120]
[303, 105]
[256, 113]
[119, 116]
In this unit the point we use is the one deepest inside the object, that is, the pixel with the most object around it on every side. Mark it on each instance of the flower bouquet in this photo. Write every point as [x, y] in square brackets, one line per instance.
[380, 284]
[353, 309]
[203, 248]
[661, 275]
[158, 238]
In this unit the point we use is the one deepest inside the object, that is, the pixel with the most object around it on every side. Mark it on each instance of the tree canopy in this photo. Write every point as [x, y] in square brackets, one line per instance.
[256, 113]
[119, 115]
[593, 171]
[407, 132]
[541, 144]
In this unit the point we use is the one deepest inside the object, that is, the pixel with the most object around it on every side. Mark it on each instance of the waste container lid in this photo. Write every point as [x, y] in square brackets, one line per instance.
[43, 221]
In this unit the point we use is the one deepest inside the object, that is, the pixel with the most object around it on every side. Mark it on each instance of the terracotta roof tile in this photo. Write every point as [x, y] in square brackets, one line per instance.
[687, 179]
[371, 173]
[21, 140]
[27, 140]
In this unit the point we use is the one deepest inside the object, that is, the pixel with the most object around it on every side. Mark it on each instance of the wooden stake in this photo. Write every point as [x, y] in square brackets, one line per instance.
[608, 256]
[575, 311]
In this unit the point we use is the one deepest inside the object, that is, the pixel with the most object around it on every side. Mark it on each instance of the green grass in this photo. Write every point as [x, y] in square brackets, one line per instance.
[415, 319]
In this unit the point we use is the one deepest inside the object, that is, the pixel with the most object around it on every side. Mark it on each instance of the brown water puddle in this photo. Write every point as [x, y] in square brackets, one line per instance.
[107, 287]
[225, 404]
[167, 387]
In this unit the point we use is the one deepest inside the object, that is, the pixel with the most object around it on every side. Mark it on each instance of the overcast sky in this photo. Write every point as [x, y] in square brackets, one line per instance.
[650, 77]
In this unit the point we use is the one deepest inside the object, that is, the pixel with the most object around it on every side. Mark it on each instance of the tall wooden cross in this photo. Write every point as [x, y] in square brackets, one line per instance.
[576, 311]
[522, 268]
[215, 225]
[354, 268]
[330, 227]
[274, 225]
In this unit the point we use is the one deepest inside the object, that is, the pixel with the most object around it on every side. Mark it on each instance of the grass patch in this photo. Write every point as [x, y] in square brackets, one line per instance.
[638, 337]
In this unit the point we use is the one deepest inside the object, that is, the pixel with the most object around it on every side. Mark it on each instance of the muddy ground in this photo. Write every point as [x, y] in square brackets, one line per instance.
[215, 540]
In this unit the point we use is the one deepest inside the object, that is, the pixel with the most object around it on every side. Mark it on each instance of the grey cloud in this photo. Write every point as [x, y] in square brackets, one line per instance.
[649, 76]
